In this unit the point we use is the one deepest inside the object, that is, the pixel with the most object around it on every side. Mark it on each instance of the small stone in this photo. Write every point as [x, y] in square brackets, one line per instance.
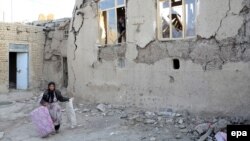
[177, 115]
[180, 121]
[149, 114]
[184, 130]
[159, 118]
[220, 125]
[86, 110]
[149, 121]
[165, 114]
[123, 116]
[80, 105]
[139, 119]
[1, 135]
[202, 128]
[131, 122]
[101, 107]
[152, 139]
[178, 136]
[169, 120]
[182, 126]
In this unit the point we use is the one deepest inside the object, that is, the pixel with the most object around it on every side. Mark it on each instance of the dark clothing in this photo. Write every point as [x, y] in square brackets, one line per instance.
[121, 26]
[57, 127]
[48, 96]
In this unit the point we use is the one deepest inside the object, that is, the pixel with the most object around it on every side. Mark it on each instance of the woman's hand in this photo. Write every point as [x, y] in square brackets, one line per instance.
[46, 104]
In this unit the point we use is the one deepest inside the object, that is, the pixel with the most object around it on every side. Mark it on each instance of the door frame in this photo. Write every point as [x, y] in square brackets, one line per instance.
[21, 48]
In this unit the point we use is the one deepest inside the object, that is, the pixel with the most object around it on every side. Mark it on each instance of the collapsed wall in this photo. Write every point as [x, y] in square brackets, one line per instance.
[213, 68]
[55, 52]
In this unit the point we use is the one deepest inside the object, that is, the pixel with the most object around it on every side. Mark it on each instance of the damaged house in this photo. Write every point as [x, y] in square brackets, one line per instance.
[182, 54]
[33, 54]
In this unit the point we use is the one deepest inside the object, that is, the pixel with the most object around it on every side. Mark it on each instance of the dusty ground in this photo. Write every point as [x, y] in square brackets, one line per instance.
[111, 123]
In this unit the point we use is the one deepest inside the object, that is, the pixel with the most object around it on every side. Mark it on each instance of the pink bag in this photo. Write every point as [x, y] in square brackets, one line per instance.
[41, 119]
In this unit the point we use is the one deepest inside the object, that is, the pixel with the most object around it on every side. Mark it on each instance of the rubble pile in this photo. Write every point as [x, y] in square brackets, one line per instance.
[195, 127]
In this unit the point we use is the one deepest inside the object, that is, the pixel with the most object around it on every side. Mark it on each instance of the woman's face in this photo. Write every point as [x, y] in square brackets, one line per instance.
[51, 87]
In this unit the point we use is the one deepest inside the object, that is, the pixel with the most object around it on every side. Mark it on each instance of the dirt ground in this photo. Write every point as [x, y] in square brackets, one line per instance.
[106, 123]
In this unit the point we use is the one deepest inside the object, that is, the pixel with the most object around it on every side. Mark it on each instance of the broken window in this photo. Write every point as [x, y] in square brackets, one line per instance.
[176, 19]
[112, 23]
[66, 34]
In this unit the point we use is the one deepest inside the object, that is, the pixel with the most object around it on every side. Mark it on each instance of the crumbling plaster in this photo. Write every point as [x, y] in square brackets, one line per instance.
[214, 66]
[55, 49]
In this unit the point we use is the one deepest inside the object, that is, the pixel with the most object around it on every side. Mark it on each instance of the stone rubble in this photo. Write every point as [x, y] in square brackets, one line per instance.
[181, 125]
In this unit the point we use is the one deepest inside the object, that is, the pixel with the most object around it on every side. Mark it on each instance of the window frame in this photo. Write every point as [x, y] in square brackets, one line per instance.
[159, 25]
[107, 9]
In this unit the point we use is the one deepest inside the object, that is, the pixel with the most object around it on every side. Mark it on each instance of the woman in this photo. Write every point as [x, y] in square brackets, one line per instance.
[50, 99]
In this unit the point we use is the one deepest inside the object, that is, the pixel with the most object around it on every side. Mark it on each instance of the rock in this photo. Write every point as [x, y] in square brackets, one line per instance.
[139, 119]
[220, 125]
[165, 114]
[184, 130]
[86, 110]
[237, 120]
[178, 136]
[124, 116]
[202, 128]
[205, 136]
[149, 114]
[149, 121]
[182, 126]
[180, 121]
[169, 120]
[1, 135]
[152, 139]
[101, 107]
[178, 115]
[131, 122]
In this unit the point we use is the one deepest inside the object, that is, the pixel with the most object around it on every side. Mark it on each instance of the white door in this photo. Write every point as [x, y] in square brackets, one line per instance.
[22, 71]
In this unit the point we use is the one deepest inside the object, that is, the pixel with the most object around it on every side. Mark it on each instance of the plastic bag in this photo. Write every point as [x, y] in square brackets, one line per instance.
[221, 136]
[71, 113]
[41, 119]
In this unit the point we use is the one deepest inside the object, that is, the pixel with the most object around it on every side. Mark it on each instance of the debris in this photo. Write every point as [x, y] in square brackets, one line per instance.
[182, 126]
[178, 136]
[185, 130]
[123, 116]
[205, 136]
[149, 114]
[221, 136]
[202, 128]
[149, 121]
[165, 114]
[169, 120]
[180, 121]
[178, 115]
[220, 125]
[1, 135]
[152, 139]
[86, 110]
[101, 107]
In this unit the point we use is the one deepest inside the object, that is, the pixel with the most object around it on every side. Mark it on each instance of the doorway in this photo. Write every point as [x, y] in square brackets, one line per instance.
[12, 70]
[18, 70]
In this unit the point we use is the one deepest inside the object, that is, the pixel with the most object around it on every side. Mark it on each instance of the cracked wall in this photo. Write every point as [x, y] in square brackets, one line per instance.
[55, 49]
[214, 66]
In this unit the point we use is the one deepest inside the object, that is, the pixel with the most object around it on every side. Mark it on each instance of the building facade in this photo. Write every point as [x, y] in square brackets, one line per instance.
[31, 55]
[180, 54]
[21, 56]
